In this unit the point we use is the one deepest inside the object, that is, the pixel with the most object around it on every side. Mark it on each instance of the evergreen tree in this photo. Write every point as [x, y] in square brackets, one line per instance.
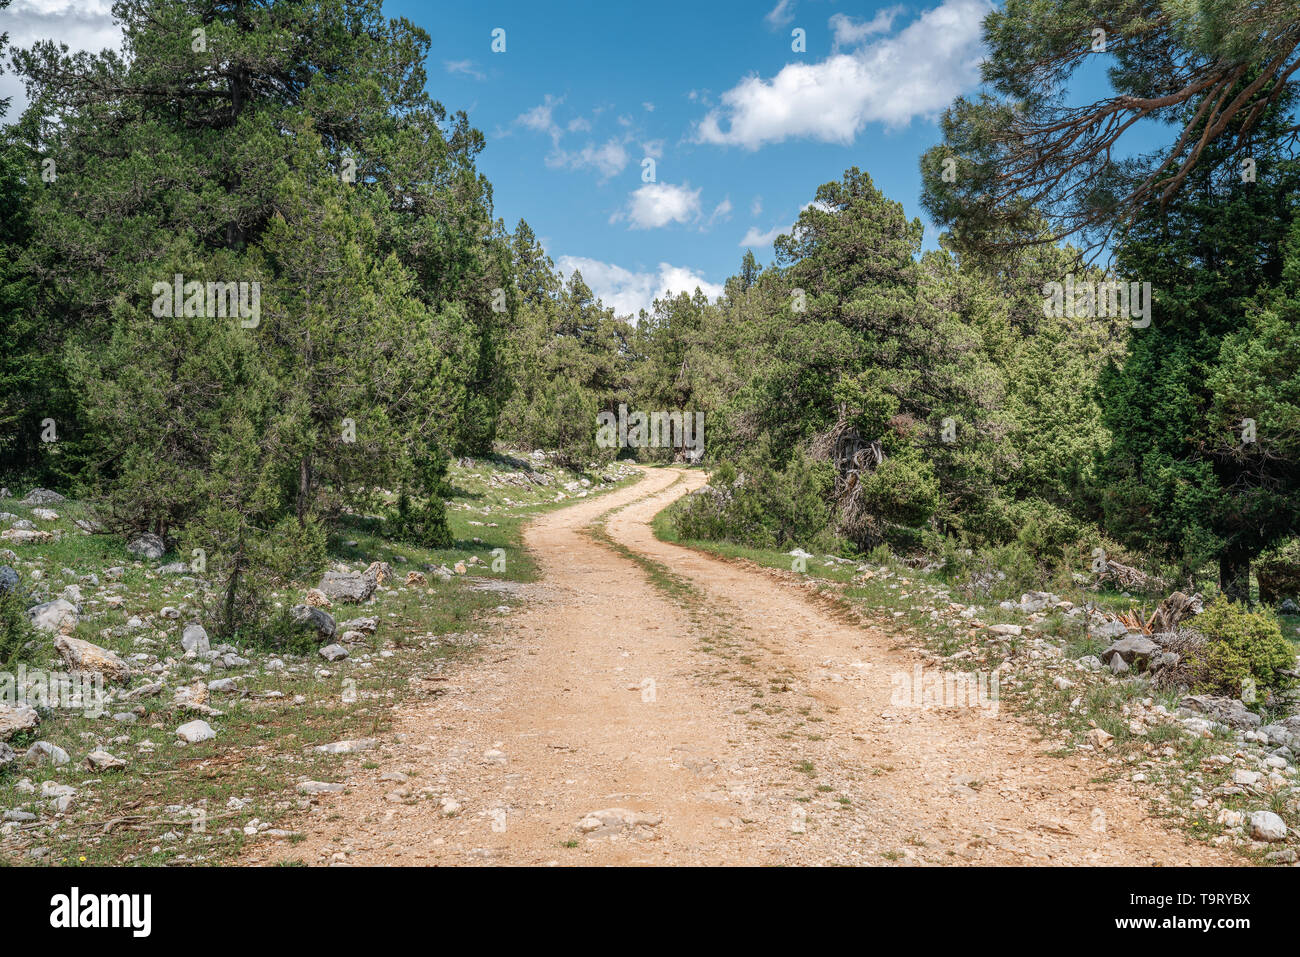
[1184, 476]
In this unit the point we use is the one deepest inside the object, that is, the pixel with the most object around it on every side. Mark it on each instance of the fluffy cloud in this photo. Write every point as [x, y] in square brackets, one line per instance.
[754, 238]
[628, 292]
[467, 67]
[609, 159]
[81, 24]
[781, 14]
[915, 72]
[849, 32]
[540, 118]
[658, 204]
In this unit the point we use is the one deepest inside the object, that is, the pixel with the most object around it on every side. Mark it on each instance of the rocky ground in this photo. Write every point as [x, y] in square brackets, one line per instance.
[657, 705]
[128, 734]
[606, 696]
[1079, 672]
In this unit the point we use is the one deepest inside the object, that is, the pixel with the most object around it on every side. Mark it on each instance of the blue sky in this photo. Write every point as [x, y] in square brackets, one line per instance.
[741, 127]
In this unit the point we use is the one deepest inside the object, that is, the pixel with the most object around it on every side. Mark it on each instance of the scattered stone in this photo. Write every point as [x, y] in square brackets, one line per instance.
[174, 568]
[352, 587]
[1008, 630]
[170, 613]
[348, 747]
[103, 761]
[42, 496]
[58, 616]
[1267, 826]
[195, 639]
[319, 787]
[147, 545]
[334, 653]
[195, 731]
[82, 656]
[45, 514]
[1101, 739]
[310, 618]
[617, 820]
[1227, 711]
[25, 536]
[42, 752]
[1136, 650]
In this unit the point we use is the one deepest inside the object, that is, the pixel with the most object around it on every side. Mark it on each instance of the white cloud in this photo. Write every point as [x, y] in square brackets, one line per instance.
[756, 207]
[658, 204]
[781, 14]
[540, 118]
[915, 72]
[721, 213]
[850, 32]
[609, 158]
[81, 24]
[468, 67]
[628, 292]
[754, 238]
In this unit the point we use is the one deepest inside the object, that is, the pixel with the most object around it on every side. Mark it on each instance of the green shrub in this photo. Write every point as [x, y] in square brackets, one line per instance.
[1240, 644]
[15, 629]
[759, 506]
[902, 490]
[422, 519]
[993, 571]
[1278, 571]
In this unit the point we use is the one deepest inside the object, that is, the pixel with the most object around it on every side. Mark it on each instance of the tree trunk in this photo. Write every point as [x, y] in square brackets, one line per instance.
[1234, 574]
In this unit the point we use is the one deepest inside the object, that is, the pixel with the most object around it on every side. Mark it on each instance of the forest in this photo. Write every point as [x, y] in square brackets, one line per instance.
[252, 281]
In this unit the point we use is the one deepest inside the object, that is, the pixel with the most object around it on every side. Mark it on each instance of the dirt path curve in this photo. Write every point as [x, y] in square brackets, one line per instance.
[751, 726]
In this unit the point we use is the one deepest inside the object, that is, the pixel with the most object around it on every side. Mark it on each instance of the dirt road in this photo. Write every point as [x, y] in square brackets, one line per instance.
[750, 726]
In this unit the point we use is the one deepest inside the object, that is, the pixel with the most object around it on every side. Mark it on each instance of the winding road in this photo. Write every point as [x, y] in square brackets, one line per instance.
[747, 723]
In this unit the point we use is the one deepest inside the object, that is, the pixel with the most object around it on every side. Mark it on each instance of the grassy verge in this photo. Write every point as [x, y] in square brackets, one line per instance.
[200, 803]
[1187, 777]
